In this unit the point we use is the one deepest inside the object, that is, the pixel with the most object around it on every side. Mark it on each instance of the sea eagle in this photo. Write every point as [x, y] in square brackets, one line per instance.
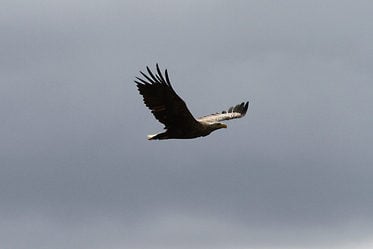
[169, 109]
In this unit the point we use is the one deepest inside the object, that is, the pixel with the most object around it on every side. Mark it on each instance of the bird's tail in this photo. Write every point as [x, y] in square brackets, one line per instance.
[151, 137]
[158, 136]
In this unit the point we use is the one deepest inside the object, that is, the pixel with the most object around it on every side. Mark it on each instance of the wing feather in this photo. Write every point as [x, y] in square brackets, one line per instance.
[233, 112]
[159, 96]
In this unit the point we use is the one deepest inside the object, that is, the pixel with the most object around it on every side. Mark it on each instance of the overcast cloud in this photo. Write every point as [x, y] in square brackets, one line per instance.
[76, 168]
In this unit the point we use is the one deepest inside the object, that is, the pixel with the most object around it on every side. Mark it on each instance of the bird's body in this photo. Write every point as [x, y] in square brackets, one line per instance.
[201, 129]
[169, 109]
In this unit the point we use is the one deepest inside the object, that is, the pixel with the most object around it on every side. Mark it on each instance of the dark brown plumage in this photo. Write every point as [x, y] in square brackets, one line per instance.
[169, 109]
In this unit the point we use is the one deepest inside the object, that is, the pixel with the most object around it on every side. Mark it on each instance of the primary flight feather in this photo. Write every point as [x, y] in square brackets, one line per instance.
[169, 109]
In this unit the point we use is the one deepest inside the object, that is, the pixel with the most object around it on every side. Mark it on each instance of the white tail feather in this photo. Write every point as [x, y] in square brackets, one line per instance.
[150, 137]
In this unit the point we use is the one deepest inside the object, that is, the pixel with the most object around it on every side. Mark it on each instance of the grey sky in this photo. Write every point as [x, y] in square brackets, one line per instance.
[76, 168]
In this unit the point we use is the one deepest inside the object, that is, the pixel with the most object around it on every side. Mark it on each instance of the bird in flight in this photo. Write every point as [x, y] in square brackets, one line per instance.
[169, 109]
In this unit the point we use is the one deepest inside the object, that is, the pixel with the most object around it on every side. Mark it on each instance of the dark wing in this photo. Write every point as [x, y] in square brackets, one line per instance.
[159, 96]
[237, 111]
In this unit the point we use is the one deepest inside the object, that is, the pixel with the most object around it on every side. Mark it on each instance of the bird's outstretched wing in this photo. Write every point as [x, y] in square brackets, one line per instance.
[159, 96]
[233, 112]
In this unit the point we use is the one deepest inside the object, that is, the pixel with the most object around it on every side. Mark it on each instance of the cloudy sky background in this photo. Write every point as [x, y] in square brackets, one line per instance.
[76, 168]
